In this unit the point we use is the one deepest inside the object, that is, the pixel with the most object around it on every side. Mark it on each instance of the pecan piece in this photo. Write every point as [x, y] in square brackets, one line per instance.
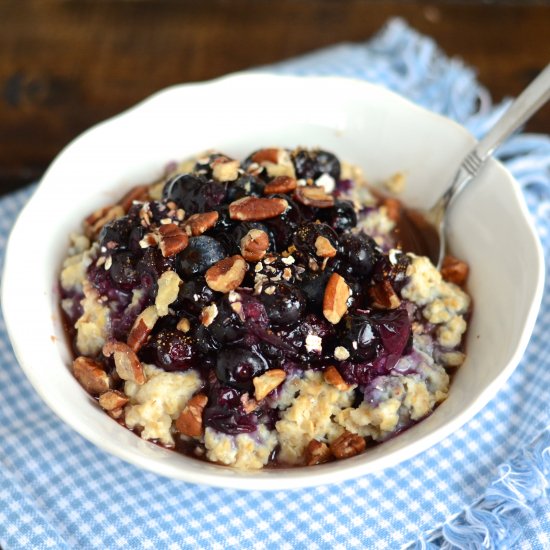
[189, 421]
[317, 453]
[253, 209]
[127, 364]
[454, 270]
[197, 224]
[333, 377]
[142, 327]
[227, 274]
[254, 245]
[184, 325]
[91, 375]
[335, 300]
[208, 314]
[113, 402]
[266, 155]
[348, 444]
[324, 248]
[139, 193]
[383, 296]
[172, 239]
[311, 195]
[267, 382]
[95, 222]
[280, 184]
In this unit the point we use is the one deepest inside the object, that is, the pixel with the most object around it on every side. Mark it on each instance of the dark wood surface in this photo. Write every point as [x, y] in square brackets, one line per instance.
[65, 65]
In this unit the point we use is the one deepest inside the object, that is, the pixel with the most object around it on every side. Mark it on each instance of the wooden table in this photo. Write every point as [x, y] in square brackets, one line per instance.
[65, 65]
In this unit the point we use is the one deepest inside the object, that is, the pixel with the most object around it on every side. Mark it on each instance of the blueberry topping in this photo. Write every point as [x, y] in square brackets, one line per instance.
[115, 234]
[284, 303]
[306, 237]
[237, 367]
[123, 270]
[341, 217]
[313, 164]
[201, 253]
[194, 193]
[359, 252]
[172, 350]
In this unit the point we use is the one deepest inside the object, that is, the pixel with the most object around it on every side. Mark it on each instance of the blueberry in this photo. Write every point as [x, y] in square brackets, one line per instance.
[284, 303]
[282, 227]
[151, 266]
[138, 232]
[341, 217]
[305, 237]
[115, 234]
[237, 367]
[313, 164]
[193, 296]
[194, 193]
[313, 288]
[360, 336]
[123, 270]
[300, 337]
[172, 350]
[227, 326]
[201, 253]
[359, 252]
[245, 186]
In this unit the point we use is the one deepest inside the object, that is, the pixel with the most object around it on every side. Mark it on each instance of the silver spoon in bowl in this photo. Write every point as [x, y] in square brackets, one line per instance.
[425, 230]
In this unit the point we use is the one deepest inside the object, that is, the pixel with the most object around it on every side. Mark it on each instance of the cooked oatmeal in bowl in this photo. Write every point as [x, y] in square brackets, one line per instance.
[261, 313]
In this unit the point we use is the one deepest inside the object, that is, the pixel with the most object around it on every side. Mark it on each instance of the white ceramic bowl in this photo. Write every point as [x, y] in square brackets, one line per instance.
[363, 124]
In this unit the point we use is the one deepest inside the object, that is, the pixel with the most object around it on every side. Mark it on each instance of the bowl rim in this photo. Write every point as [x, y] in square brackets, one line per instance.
[294, 477]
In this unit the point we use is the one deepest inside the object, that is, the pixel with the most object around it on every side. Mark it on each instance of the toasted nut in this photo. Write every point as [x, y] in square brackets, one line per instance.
[393, 208]
[280, 184]
[249, 403]
[113, 401]
[95, 222]
[317, 453]
[266, 155]
[208, 314]
[334, 378]
[189, 421]
[454, 270]
[335, 300]
[127, 364]
[224, 169]
[139, 193]
[324, 248]
[348, 444]
[254, 245]
[267, 382]
[227, 274]
[184, 325]
[383, 296]
[197, 224]
[91, 375]
[311, 195]
[251, 209]
[172, 239]
[142, 327]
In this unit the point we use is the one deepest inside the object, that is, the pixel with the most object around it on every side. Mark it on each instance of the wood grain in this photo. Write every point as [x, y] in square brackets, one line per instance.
[66, 65]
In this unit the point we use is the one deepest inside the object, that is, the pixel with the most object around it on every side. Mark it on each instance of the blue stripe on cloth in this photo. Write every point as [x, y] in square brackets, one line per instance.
[55, 486]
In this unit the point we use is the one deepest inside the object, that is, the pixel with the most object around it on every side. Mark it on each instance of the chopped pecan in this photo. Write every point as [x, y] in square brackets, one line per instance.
[324, 248]
[317, 453]
[266, 155]
[227, 274]
[208, 314]
[113, 402]
[267, 382]
[254, 245]
[127, 364]
[280, 184]
[184, 325]
[91, 375]
[311, 195]
[172, 239]
[224, 169]
[249, 403]
[334, 378]
[348, 444]
[95, 222]
[383, 296]
[197, 224]
[139, 193]
[335, 300]
[251, 209]
[454, 270]
[142, 327]
[189, 422]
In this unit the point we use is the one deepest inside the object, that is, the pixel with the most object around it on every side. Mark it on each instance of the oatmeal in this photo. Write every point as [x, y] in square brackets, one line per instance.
[261, 313]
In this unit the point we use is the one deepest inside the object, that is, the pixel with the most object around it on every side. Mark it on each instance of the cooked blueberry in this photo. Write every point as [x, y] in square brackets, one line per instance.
[245, 186]
[172, 350]
[282, 227]
[284, 303]
[115, 234]
[238, 366]
[313, 164]
[201, 253]
[310, 338]
[123, 270]
[194, 295]
[360, 336]
[359, 252]
[313, 288]
[151, 266]
[227, 326]
[305, 237]
[194, 193]
[138, 232]
[341, 217]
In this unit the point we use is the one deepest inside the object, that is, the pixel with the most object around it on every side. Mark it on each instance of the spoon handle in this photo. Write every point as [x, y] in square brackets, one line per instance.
[521, 109]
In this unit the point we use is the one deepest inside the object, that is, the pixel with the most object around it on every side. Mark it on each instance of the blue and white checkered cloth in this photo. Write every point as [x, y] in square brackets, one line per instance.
[485, 486]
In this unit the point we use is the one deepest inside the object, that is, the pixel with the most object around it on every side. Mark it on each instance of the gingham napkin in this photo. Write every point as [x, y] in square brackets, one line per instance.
[485, 485]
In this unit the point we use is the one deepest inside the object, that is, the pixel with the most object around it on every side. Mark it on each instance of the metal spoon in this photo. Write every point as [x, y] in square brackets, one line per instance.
[433, 221]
